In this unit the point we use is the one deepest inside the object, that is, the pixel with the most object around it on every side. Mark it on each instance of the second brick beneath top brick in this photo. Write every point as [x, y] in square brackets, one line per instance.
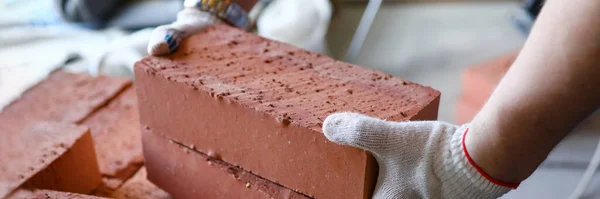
[187, 173]
[260, 104]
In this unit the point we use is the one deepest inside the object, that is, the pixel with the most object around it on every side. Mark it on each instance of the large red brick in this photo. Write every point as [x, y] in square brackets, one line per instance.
[187, 173]
[46, 156]
[117, 140]
[260, 104]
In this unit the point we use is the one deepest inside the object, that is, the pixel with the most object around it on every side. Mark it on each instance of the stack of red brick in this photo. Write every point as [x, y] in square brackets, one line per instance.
[72, 133]
[229, 115]
[478, 83]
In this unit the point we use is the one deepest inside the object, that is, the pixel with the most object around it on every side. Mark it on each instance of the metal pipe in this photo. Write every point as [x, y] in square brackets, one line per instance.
[363, 29]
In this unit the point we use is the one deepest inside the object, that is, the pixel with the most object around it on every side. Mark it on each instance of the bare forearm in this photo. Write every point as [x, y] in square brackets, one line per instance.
[552, 86]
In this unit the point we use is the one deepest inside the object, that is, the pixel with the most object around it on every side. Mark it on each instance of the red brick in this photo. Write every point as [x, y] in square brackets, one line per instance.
[47, 156]
[64, 97]
[74, 98]
[117, 140]
[187, 173]
[260, 104]
[139, 187]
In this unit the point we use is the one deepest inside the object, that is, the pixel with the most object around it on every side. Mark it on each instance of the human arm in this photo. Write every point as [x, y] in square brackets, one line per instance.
[552, 86]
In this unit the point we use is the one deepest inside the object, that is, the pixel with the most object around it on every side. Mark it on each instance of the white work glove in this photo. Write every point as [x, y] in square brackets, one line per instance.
[424, 159]
[165, 39]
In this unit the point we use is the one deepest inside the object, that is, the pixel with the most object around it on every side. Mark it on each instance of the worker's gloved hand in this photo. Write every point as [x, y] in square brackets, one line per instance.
[424, 159]
[165, 39]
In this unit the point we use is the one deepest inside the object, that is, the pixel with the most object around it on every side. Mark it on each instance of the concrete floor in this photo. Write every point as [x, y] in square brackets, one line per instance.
[432, 43]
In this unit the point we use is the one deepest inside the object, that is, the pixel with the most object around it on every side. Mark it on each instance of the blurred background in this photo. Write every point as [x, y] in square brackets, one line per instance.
[431, 42]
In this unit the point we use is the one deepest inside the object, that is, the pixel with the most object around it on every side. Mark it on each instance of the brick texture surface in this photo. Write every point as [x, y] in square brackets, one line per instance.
[260, 104]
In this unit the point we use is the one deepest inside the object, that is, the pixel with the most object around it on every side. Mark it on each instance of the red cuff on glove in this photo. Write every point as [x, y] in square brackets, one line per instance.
[488, 177]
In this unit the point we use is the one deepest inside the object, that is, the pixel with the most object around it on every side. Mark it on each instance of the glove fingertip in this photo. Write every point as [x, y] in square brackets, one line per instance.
[341, 127]
[331, 126]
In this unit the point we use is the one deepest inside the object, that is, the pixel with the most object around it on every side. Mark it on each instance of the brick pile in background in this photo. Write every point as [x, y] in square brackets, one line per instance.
[478, 83]
[95, 145]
